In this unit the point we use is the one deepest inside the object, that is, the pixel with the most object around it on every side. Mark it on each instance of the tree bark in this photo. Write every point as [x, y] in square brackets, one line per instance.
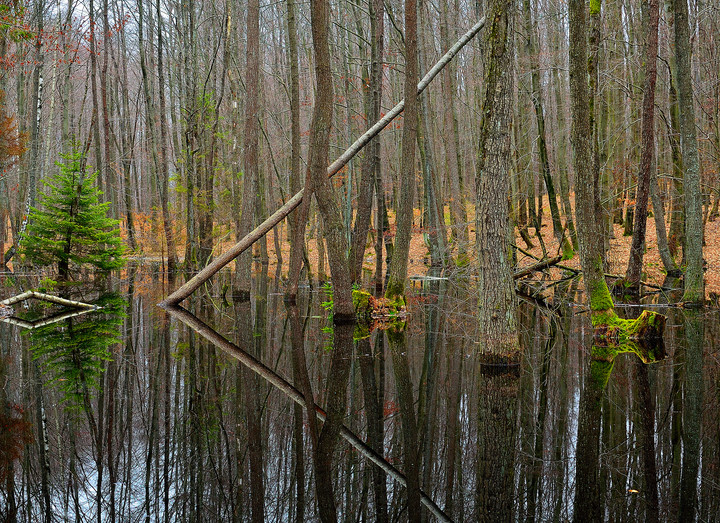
[498, 323]
[692, 248]
[404, 215]
[250, 146]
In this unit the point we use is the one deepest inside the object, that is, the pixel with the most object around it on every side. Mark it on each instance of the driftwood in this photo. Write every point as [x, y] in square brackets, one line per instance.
[293, 393]
[221, 261]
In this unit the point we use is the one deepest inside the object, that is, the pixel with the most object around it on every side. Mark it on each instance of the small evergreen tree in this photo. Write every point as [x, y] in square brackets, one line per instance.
[71, 227]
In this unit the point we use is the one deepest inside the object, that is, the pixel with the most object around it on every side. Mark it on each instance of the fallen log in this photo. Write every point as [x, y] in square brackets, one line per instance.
[540, 266]
[221, 261]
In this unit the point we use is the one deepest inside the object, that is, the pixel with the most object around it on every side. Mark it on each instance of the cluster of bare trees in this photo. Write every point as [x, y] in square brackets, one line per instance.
[199, 114]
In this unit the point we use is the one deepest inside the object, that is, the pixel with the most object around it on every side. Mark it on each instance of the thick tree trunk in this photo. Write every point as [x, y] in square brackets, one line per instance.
[250, 147]
[498, 323]
[692, 248]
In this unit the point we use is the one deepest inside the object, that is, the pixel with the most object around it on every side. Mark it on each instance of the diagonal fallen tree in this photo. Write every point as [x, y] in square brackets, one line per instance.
[261, 230]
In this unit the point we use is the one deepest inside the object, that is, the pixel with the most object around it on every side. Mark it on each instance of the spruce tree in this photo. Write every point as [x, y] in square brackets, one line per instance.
[71, 226]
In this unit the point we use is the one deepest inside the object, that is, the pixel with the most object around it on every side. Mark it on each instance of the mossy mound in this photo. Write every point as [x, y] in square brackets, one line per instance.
[648, 327]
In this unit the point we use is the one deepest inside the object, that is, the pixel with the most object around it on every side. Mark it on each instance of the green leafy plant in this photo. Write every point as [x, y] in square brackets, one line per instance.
[70, 227]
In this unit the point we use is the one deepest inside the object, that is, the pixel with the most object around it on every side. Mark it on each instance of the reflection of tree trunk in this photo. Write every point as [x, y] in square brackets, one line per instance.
[497, 426]
[692, 402]
[535, 488]
[411, 457]
[588, 506]
[336, 387]
[254, 429]
[374, 415]
[43, 445]
[646, 435]
[454, 366]
[299, 465]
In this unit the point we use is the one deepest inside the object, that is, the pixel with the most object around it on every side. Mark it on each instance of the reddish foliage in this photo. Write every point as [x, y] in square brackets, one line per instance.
[15, 433]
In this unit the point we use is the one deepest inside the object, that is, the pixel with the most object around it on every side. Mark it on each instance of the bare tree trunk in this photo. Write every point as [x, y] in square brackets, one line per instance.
[497, 320]
[537, 100]
[371, 161]
[404, 216]
[297, 245]
[637, 249]
[330, 209]
[250, 145]
[163, 160]
[692, 248]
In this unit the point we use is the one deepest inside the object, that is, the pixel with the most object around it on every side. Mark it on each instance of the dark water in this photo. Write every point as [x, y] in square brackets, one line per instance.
[129, 413]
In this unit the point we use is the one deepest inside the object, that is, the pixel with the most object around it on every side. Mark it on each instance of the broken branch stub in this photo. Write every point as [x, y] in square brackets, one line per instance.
[221, 261]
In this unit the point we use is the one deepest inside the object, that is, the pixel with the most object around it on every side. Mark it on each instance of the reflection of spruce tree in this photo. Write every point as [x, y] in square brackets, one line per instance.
[73, 353]
[71, 227]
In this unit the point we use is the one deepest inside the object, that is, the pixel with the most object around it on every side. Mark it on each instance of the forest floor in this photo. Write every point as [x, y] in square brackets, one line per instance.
[419, 261]
[149, 236]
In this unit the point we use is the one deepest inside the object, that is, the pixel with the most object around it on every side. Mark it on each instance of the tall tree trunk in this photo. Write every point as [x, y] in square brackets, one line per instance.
[637, 249]
[589, 230]
[250, 146]
[537, 100]
[330, 209]
[371, 160]
[497, 320]
[453, 159]
[404, 216]
[163, 160]
[692, 248]
[297, 248]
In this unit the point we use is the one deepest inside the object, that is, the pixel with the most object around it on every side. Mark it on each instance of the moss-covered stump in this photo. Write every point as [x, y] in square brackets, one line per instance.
[368, 307]
[608, 327]
[377, 313]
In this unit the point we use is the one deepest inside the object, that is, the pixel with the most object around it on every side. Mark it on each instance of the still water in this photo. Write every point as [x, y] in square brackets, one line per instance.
[266, 412]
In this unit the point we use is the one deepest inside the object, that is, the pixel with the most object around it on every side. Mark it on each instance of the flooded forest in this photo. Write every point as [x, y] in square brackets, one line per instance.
[359, 260]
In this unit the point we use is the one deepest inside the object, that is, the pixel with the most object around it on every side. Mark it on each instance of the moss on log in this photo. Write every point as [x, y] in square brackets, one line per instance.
[610, 328]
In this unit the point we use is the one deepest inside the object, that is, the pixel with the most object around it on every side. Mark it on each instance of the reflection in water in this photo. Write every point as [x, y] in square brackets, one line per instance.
[588, 505]
[345, 333]
[168, 437]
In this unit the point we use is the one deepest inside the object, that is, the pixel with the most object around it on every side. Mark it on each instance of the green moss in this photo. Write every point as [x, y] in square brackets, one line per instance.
[395, 290]
[362, 331]
[362, 301]
[595, 7]
[600, 371]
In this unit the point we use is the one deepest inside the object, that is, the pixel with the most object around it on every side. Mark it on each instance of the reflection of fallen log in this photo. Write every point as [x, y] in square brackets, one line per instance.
[286, 387]
[261, 230]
